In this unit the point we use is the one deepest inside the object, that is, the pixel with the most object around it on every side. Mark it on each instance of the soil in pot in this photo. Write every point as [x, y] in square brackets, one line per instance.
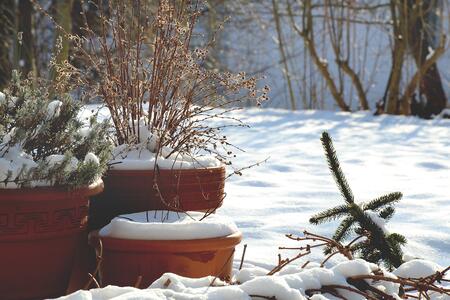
[130, 191]
[124, 260]
[40, 229]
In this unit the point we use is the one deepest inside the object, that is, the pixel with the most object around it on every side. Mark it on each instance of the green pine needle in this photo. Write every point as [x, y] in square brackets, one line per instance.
[329, 214]
[335, 168]
[379, 202]
[343, 230]
[387, 213]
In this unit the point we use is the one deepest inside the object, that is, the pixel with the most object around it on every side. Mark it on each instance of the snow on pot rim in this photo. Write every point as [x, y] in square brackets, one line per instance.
[139, 157]
[168, 225]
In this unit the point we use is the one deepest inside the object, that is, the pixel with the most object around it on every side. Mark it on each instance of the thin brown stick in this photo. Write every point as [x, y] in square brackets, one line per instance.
[99, 258]
[243, 256]
[138, 281]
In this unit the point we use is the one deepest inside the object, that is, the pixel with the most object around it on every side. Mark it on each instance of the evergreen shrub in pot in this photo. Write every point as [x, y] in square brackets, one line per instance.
[50, 163]
[165, 104]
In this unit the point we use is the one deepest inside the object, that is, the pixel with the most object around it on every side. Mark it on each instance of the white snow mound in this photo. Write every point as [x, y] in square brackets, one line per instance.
[168, 225]
[417, 268]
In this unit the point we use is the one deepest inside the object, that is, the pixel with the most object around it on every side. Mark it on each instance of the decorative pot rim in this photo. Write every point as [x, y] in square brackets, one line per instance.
[168, 246]
[90, 190]
[172, 170]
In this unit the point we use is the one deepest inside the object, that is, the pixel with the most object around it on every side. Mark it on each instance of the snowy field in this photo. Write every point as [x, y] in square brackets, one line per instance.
[378, 154]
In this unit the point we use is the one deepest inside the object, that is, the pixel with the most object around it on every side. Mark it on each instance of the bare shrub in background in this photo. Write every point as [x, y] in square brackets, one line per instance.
[147, 74]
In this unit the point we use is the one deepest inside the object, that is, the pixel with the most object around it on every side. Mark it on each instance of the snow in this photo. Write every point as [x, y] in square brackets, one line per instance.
[282, 287]
[417, 268]
[378, 155]
[166, 225]
[247, 274]
[271, 287]
[84, 132]
[142, 156]
[56, 159]
[53, 109]
[12, 161]
[378, 220]
[7, 137]
[91, 158]
[139, 157]
[430, 53]
[11, 100]
[353, 268]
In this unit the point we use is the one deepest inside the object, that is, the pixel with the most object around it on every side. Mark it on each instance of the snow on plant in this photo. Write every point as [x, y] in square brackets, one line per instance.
[42, 140]
[366, 219]
[155, 85]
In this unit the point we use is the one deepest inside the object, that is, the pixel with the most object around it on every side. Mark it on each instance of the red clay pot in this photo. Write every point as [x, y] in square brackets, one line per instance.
[39, 232]
[134, 191]
[125, 260]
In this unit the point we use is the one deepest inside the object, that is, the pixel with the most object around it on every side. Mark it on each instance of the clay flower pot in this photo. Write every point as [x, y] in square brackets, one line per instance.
[129, 191]
[152, 243]
[39, 232]
[125, 260]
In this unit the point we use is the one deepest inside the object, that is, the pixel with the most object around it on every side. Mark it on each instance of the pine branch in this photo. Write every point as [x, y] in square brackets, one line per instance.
[343, 229]
[398, 238]
[329, 214]
[379, 202]
[387, 213]
[370, 226]
[335, 168]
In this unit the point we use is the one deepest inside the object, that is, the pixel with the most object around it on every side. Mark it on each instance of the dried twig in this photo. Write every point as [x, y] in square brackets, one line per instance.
[243, 256]
[97, 268]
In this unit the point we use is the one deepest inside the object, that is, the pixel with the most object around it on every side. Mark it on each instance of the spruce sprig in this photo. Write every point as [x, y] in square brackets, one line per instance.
[379, 245]
[335, 168]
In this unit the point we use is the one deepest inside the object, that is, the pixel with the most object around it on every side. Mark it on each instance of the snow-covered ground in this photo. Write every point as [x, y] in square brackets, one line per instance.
[378, 154]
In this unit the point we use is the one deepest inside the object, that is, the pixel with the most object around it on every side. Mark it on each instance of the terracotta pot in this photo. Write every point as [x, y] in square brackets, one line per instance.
[125, 260]
[39, 232]
[134, 191]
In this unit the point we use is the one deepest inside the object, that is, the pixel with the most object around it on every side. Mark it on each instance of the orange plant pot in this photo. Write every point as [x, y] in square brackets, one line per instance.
[125, 260]
[40, 229]
[134, 191]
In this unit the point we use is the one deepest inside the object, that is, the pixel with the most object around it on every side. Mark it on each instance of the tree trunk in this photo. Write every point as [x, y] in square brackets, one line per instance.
[424, 36]
[7, 19]
[25, 56]
[63, 18]
[398, 15]
[278, 28]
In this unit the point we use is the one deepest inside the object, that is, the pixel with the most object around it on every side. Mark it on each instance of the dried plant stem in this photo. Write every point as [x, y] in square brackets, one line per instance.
[138, 282]
[99, 258]
[243, 256]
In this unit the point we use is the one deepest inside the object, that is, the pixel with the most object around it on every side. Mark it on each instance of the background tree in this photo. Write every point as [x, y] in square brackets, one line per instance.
[25, 45]
[424, 39]
[62, 17]
[317, 54]
[7, 30]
